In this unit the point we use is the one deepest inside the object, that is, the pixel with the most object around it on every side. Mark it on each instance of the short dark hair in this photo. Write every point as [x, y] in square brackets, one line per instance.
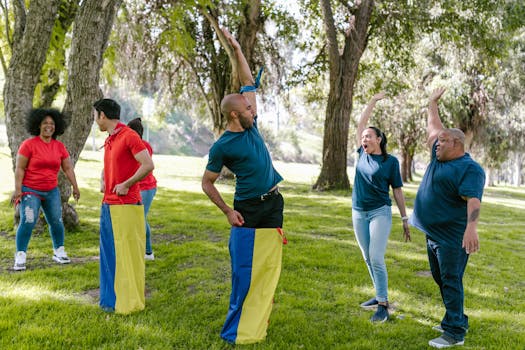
[136, 124]
[37, 115]
[110, 108]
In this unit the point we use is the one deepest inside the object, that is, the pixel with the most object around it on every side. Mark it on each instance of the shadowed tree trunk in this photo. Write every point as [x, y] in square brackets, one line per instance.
[32, 32]
[343, 71]
[90, 36]
[31, 37]
[224, 75]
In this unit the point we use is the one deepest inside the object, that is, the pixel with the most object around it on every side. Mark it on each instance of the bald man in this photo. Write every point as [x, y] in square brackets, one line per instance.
[446, 209]
[256, 218]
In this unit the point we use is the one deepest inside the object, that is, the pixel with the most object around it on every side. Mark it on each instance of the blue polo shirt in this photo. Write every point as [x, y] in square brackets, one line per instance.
[373, 177]
[439, 210]
[246, 155]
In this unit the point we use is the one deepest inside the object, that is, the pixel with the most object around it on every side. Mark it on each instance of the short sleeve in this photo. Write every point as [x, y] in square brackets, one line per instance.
[395, 176]
[135, 143]
[64, 154]
[25, 149]
[473, 182]
[215, 159]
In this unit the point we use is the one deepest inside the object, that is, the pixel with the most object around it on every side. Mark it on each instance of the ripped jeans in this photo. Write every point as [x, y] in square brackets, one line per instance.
[29, 212]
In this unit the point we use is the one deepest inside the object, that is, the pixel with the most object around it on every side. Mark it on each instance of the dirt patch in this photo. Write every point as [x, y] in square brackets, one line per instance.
[93, 295]
[424, 273]
[168, 238]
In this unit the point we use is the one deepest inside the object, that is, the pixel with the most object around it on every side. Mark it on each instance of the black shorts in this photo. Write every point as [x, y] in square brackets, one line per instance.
[262, 212]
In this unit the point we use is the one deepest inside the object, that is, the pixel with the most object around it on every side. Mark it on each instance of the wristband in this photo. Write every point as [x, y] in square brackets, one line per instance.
[254, 87]
[404, 218]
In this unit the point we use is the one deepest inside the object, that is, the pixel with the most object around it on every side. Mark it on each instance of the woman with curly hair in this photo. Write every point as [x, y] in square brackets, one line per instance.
[38, 162]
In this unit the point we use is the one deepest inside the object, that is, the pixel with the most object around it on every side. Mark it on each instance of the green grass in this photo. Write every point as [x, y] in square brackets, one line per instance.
[322, 283]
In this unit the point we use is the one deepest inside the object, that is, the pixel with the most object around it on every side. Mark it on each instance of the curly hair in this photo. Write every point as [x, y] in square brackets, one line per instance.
[37, 115]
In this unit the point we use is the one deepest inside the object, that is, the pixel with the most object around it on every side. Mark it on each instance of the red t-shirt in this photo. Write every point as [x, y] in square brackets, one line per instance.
[120, 164]
[149, 182]
[44, 161]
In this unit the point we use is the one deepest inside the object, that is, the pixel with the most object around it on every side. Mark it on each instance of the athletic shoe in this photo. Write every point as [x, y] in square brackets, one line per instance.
[381, 315]
[445, 342]
[438, 328]
[369, 304]
[149, 256]
[441, 330]
[20, 261]
[60, 255]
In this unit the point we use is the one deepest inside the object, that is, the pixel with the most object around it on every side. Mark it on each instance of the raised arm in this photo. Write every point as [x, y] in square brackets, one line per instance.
[434, 124]
[245, 74]
[365, 115]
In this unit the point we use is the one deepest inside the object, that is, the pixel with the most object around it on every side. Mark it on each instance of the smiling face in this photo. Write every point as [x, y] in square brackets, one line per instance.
[370, 141]
[47, 128]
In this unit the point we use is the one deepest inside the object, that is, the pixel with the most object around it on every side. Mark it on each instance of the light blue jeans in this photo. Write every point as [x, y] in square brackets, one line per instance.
[29, 212]
[372, 229]
[147, 198]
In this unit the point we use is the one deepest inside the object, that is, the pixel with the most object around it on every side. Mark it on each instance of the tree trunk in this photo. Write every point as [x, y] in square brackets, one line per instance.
[226, 80]
[33, 28]
[343, 72]
[51, 84]
[91, 31]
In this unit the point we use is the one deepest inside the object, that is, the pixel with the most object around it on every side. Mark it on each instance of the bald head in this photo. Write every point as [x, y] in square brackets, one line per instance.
[232, 103]
[457, 135]
[451, 144]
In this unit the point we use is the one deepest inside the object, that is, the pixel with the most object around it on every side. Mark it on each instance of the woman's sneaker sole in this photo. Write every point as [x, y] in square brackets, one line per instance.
[61, 260]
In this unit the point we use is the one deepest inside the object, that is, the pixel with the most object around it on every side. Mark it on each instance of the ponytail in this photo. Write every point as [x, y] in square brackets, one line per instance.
[383, 142]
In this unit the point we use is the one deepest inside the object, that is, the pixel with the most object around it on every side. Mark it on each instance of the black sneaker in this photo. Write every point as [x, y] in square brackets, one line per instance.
[381, 315]
[369, 304]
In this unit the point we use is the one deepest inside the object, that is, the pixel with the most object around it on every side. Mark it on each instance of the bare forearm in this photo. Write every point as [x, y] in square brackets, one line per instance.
[19, 177]
[400, 201]
[141, 173]
[70, 174]
[214, 195]
[245, 74]
[473, 210]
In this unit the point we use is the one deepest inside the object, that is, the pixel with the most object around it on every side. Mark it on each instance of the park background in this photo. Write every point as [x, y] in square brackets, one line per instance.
[164, 61]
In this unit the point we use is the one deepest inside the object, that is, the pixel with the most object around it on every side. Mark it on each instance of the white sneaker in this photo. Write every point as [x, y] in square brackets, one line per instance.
[60, 255]
[149, 256]
[20, 261]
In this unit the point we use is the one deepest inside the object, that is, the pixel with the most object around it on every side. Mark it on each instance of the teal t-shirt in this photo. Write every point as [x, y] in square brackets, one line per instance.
[246, 155]
[439, 210]
[373, 177]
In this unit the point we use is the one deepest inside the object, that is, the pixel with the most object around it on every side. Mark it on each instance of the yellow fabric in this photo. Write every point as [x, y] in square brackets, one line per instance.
[129, 233]
[266, 268]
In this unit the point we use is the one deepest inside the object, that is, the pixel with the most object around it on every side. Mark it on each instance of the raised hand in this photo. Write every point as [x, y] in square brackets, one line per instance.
[233, 42]
[436, 94]
[379, 96]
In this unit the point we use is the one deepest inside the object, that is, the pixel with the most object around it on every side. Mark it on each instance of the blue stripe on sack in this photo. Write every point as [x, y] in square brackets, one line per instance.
[107, 260]
[241, 252]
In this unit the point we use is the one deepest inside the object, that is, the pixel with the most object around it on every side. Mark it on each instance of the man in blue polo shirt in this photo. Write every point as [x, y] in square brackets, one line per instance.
[256, 218]
[446, 209]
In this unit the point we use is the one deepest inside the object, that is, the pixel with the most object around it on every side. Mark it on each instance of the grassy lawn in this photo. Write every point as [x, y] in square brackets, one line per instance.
[322, 283]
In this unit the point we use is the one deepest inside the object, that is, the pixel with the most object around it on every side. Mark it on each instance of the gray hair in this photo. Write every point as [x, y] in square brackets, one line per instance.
[457, 134]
